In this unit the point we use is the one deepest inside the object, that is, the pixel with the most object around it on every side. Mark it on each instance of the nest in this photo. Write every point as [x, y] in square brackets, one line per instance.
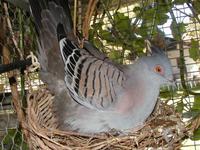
[164, 129]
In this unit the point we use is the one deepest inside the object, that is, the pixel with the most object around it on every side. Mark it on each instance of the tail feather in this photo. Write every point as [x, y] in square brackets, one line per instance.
[36, 9]
[52, 16]
[57, 11]
[48, 14]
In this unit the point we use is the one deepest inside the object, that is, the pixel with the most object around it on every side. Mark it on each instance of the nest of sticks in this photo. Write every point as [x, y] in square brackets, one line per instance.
[164, 129]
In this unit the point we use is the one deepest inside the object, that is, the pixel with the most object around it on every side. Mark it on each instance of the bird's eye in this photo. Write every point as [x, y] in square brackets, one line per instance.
[159, 69]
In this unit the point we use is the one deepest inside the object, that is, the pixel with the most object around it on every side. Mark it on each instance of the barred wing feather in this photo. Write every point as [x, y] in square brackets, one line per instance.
[90, 81]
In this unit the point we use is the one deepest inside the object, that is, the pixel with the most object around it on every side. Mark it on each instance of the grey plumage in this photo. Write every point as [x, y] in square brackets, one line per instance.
[92, 94]
[23, 4]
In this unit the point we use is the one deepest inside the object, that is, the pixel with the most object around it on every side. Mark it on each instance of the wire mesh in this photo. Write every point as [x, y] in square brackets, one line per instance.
[11, 136]
[109, 37]
[184, 44]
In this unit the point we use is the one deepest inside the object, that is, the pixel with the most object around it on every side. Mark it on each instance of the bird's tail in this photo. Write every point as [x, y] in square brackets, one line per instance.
[51, 12]
[48, 14]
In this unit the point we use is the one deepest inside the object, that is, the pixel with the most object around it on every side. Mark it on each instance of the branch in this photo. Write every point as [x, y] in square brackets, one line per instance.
[11, 30]
[12, 77]
[16, 65]
[193, 12]
[86, 24]
[115, 31]
[14, 91]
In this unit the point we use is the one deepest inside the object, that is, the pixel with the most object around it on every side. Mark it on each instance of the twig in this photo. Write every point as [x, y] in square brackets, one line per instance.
[14, 91]
[88, 16]
[194, 12]
[149, 135]
[118, 6]
[11, 30]
[75, 16]
[154, 20]
[16, 65]
[183, 12]
[92, 11]
[194, 124]
[115, 31]
[21, 46]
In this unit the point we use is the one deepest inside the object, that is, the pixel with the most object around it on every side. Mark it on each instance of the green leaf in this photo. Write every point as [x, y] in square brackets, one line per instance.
[148, 15]
[194, 50]
[115, 56]
[138, 44]
[8, 139]
[196, 135]
[97, 25]
[177, 29]
[190, 114]
[14, 139]
[106, 35]
[195, 110]
[167, 94]
[180, 106]
[122, 22]
[196, 105]
[97, 42]
[163, 8]
[181, 27]
[196, 5]
[161, 18]
[143, 31]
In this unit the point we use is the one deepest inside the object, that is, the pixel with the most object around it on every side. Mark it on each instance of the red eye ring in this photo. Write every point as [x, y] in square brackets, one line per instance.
[159, 69]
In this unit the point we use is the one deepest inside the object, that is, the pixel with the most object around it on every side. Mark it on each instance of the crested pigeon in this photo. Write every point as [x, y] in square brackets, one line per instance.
[93, 94]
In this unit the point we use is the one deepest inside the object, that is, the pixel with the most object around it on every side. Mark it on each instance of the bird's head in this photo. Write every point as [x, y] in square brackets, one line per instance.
[158, 66]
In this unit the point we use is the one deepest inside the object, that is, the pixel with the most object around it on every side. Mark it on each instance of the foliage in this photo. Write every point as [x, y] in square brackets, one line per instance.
[178, 29]
[194, 50]
[196, 135]
[14, 140]
[125, 34]
[122, 32]
[195, 5]
[129, 34]
[195, 112]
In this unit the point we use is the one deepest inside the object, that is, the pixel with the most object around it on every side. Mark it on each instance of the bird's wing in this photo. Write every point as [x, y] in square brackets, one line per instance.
[89, 76]
[91, 81]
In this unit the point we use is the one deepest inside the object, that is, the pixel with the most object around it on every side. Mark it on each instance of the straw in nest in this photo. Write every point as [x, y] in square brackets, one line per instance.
[163, 129]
